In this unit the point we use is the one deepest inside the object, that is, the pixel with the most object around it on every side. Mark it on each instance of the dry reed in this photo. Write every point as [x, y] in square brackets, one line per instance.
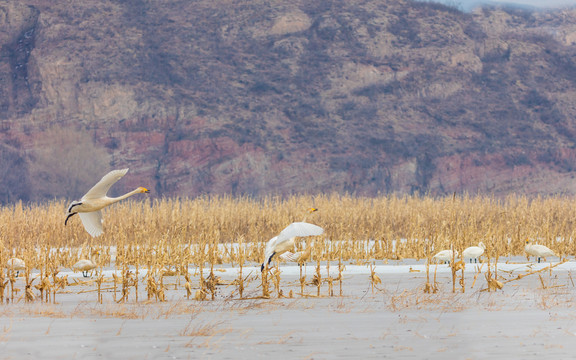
[156, 235]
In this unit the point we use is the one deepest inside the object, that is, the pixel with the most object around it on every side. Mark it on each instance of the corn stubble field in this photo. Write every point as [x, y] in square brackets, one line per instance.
[153, 248]
[181, 278]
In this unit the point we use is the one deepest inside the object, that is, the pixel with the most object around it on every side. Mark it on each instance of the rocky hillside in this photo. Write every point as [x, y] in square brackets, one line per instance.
[254, 97]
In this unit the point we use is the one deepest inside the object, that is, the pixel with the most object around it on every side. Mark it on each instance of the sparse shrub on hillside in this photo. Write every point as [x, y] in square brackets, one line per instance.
[406, 31]
[432, 7]
[372, 91]
[359, 113]
[474, 31]
[519, 14]
[305, 109]
[517, 159]
[564, 64]
[543, 107]
[552, 157]
[534, 100]
[262, 88]
[498, 55]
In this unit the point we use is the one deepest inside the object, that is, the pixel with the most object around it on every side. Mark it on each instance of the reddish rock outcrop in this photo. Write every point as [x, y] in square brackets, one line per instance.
[365, 97]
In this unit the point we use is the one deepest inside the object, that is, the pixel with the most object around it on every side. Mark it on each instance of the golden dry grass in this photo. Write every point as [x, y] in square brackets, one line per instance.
[168, 236]
[161, 224]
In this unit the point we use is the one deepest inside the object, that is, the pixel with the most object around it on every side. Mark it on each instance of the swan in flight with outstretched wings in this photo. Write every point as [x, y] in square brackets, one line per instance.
[95, 199]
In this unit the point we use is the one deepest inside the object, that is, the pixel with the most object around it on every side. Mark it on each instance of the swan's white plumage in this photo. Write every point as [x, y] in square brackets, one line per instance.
[101, 188]
[95, 199]
[297, 256]
[287, 237]
[474, 252]
[291, 256]
[445, 255]
[92, 222]
[539, 251]
[15, 264]
[86, 265]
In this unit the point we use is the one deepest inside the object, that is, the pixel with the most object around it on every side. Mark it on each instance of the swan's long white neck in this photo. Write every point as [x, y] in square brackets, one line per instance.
[113, 200]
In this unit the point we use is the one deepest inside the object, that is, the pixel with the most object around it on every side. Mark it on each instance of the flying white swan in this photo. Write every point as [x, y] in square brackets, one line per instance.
[474, 252]
[285, 241]
[95, 199]
[539, 251]
[16, 264]
[86, 265]
[446, 255]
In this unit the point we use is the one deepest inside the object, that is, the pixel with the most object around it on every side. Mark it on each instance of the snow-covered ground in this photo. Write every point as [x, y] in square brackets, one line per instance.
[531, 317]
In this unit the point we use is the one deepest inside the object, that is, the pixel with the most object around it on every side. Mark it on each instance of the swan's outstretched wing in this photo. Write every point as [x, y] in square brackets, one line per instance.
[294, 230]
[281, 243]
[290, 256]
[92, 222]
[101, 188]
[298, 229]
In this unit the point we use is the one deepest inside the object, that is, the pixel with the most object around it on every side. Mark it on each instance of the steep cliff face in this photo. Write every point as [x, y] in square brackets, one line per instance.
[255, 98]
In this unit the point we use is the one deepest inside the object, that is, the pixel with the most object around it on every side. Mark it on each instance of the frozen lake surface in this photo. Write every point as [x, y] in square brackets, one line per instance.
[529, 318]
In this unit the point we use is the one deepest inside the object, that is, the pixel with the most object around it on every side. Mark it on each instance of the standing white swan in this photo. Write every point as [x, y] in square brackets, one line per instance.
[446, 256]
[95, 199]
[86, 265]
[539, 251]
[16, 264]
[474, 252]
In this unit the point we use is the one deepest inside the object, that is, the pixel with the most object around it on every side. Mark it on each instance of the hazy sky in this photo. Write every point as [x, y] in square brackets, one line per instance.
[540, 4]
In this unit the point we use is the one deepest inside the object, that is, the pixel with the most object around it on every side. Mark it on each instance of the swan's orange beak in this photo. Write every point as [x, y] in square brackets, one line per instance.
[144, 190]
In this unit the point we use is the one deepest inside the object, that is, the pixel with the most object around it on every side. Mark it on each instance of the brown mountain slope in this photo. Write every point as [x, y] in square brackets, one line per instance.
[255, 98]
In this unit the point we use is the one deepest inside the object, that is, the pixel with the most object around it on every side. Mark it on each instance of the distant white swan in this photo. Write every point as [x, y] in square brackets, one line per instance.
[445, 255]
[539, 251]
[86, 265]
[474, 252]
[285, 241]
[95, 199]
[16, 264]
